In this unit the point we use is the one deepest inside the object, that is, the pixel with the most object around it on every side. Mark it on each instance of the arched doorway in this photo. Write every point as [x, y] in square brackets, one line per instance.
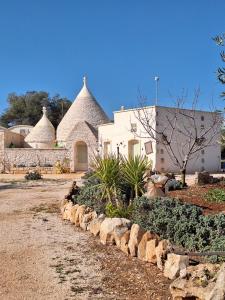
[133, 148]
[81, 156]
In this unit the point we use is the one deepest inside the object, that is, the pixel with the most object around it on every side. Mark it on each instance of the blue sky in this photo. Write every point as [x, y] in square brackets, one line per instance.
[119, 44]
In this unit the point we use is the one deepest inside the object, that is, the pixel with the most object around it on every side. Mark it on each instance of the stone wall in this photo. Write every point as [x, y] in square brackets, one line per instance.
[13, 138]
[30, 156]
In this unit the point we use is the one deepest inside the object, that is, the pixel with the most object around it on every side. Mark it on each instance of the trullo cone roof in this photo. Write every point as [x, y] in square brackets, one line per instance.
[84, 108]
[43, 131]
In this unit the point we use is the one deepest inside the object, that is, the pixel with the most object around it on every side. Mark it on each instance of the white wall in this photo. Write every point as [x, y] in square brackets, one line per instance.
[209, 160]
[119, 134]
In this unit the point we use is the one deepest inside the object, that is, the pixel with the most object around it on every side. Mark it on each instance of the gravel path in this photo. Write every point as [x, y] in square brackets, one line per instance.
[43, 257]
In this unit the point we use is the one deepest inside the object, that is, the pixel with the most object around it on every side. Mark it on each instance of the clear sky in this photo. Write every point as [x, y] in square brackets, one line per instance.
[119, 44]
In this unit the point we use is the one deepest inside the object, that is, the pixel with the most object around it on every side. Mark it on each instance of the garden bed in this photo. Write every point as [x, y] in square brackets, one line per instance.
[196, 195]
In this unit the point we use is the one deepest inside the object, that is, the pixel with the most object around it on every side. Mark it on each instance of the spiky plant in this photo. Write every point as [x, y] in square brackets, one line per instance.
[134, 171]
[107, 171]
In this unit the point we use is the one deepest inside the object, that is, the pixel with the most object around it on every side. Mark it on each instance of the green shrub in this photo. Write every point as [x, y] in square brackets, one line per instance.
[33, 175]
[90, 195]
[134, 171]
[215, 195]
[112, 211]
[183, 224]
[107, 171]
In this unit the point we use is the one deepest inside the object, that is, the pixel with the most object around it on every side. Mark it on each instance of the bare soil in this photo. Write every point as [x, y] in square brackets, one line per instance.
[196, 195]
[44, 257]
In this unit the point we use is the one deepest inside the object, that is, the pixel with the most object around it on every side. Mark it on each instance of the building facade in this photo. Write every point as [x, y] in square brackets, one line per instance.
[139, 132]
[85, 131]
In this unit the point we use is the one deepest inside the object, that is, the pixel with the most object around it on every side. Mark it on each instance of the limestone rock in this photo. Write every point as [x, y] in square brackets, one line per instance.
[161, 251]
[136, 234]
[87, 218]
[67, 211]
[124, 242]
[147, 236]
[63, 204]
[199, 283]
[112, 229]
[73, 213]
[154, 190]
[79, 214]
[174, 264]
[95, 225]
[150, 251]
[218, 292]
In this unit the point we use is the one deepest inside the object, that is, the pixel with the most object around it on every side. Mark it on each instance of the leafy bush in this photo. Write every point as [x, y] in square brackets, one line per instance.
[62, 166]
[133, 170]
[107, 171]
[215, 195]
[112, 211]
[172, 185]
[33, 175]
[90, 195]
[183, 224]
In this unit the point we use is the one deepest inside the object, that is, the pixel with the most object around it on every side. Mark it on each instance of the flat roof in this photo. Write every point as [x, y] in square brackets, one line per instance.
[166, 107]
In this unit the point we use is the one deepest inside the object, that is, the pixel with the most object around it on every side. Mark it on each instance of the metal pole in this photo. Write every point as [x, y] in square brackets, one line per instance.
[156, 89]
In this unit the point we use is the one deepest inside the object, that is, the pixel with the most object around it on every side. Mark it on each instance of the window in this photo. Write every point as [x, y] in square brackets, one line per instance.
[203, 160]
[202, 118]
[133, 127]
[203, 152]
[162, 160]
[202, 126]
[162, 169]
[161, 151]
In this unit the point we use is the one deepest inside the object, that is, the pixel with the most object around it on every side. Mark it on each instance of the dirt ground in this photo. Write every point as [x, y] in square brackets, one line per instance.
[43, 257]
[196, 195]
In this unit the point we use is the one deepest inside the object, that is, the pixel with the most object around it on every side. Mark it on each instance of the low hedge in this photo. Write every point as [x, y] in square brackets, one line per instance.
[183, 224]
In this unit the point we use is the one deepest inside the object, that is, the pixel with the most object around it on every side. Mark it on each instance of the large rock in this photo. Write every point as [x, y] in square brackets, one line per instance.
[154, 190]
[150, 251]
[62, 205]
[87, 218]
[112, 229]
[67, 211]
[199, 283]
[124, 242]
[73, 213]
[136, 234]
[147, 236]
[79, 215]
[218, 292]
[161, 251]
[204, 177]
[175, 264]
[95, 225]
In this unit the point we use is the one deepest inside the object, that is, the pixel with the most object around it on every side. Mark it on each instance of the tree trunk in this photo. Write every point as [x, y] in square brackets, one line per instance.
[183, 177]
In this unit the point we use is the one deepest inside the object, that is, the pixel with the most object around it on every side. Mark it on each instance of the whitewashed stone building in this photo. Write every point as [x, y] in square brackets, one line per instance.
[42, 136]
[129, 136]
[75, 140]
[85, 131]
[78, 130]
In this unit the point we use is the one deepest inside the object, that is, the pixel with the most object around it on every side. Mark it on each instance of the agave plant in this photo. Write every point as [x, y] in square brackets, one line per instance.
[107, 171]
[134, 171]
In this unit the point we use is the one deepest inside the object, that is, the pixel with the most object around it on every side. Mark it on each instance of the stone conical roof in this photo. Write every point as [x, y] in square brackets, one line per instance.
[43, 131]
[84, 108]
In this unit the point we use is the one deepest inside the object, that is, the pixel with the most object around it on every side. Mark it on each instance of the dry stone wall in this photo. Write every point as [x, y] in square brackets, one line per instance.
[30, 156]
[200, 282]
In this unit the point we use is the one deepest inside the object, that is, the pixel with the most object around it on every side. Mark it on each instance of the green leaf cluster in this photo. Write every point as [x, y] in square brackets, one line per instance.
[215, 195]
[181, 223]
